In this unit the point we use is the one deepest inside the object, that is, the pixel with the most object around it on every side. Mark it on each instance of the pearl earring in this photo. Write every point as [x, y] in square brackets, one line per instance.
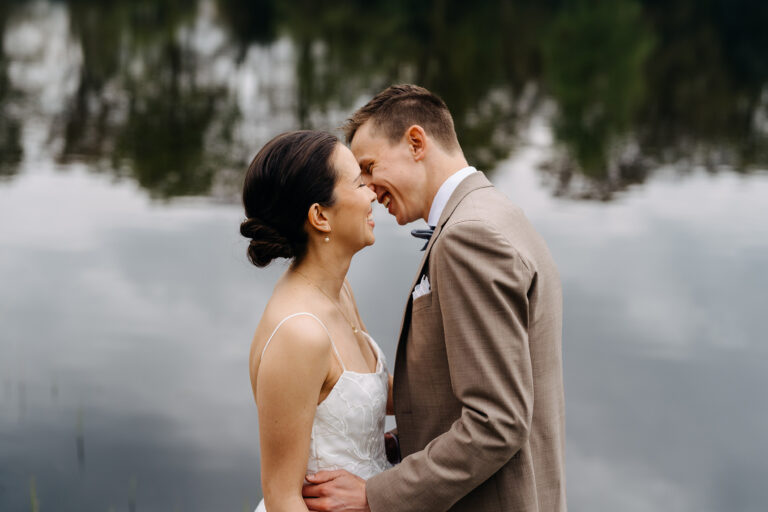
[327, 239]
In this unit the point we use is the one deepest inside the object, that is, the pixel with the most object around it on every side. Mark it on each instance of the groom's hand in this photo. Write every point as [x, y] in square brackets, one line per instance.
[337, 491]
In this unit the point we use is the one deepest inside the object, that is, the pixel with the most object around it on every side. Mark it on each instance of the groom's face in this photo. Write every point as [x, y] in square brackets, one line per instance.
[390, 170]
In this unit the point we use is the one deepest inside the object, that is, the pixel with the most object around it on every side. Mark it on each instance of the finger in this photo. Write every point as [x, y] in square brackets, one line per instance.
[318, 504]
[324, 476]
[312, 491]
[321, 476]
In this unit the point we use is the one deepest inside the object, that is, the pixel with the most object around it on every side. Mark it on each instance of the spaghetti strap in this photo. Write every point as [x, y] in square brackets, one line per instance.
[344, 368]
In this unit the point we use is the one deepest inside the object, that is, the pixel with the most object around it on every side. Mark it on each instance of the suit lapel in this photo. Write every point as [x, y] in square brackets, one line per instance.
[472, 182]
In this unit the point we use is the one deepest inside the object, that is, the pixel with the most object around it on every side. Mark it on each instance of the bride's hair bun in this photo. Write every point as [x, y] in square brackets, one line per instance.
[266, 244]
[287, 176]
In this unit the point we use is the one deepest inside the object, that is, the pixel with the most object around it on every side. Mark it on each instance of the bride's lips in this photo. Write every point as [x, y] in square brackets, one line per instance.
[370, 218]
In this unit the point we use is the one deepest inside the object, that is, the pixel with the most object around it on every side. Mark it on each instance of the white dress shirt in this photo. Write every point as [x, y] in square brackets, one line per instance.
[444, 193]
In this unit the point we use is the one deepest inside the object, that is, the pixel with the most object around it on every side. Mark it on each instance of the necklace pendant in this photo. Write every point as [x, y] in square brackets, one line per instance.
[354, 329]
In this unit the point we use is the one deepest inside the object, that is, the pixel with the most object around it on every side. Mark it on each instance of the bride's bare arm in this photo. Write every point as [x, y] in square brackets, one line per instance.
[390, 401]
[288, 384]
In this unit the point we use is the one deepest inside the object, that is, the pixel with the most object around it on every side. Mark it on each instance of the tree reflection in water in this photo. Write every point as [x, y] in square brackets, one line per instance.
[594, 57]
[707, 83]
[139, 102]
[10, 128]
[634, 84]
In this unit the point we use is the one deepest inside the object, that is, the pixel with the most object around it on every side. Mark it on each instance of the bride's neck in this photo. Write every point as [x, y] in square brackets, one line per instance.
[325, 270]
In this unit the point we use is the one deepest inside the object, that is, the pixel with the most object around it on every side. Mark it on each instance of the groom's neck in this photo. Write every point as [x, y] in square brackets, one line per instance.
[440, 167]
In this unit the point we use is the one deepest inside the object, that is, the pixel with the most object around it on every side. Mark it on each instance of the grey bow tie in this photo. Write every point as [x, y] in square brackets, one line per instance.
[424, 234]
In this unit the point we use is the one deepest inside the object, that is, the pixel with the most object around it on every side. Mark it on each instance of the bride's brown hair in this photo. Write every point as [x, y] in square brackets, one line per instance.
[289, 174]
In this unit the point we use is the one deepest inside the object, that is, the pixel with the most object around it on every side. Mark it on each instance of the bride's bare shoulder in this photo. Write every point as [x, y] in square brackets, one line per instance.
[285, 300]
[292, 330]
[291, 305]
[297, 345]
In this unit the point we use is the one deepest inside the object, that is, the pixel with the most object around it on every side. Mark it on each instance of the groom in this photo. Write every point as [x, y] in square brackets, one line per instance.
[478, 387]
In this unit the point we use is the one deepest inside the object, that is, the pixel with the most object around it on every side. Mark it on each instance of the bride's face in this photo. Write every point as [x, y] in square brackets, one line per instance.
[352, 213]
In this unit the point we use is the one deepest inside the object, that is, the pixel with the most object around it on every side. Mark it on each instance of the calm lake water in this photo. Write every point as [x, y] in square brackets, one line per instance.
[127, 304]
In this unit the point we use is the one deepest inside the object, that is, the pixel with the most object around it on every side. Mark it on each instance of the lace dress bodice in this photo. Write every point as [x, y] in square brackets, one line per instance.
[348, 429]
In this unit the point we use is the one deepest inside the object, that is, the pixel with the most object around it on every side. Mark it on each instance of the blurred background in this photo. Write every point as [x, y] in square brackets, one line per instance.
[634, 133]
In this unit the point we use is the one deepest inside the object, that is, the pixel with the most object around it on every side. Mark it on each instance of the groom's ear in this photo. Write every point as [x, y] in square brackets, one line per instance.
[416, 138]
[318, 219]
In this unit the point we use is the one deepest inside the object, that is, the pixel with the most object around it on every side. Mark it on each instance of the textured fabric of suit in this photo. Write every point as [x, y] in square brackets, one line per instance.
[478, 386]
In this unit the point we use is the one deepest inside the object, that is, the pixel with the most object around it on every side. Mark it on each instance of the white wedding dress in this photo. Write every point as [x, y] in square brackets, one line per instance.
[348, 429]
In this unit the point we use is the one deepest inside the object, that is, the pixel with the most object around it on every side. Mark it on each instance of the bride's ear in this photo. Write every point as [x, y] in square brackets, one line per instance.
[318, 220]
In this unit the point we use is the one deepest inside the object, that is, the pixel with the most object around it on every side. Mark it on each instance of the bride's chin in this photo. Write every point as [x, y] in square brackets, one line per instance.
[366, 243]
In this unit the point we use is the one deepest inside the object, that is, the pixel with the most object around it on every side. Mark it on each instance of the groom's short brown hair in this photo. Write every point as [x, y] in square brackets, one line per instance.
[397, 107]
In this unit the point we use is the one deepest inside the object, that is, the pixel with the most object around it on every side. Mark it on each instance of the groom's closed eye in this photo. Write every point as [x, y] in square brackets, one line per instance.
[366, 171]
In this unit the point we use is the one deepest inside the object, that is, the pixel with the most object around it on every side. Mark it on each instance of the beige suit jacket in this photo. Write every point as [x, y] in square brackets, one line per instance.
[478, 386]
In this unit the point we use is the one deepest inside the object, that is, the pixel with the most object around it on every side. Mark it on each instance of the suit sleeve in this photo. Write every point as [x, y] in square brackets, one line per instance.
[482, 283]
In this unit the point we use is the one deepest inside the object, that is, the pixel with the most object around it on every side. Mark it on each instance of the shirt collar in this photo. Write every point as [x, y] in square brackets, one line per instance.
[444, 193]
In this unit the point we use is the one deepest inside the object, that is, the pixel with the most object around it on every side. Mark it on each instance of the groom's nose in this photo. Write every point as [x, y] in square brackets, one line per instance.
[380, 193]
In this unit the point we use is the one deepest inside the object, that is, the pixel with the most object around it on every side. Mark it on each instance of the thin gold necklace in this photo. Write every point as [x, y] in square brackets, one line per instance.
[335, 303]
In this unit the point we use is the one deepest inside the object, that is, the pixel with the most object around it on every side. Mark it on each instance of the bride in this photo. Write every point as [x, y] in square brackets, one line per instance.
[319, 380]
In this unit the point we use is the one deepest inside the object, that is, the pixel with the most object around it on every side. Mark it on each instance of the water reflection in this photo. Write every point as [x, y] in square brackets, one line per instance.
[132, 494]
[163, 88]
[706, 83]
[34, 501]
[10, 127]
[595, 55]
[125, 321]
[664, 358]
[142, 100]
[249, 21]
[21, 393]
[80, 442]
